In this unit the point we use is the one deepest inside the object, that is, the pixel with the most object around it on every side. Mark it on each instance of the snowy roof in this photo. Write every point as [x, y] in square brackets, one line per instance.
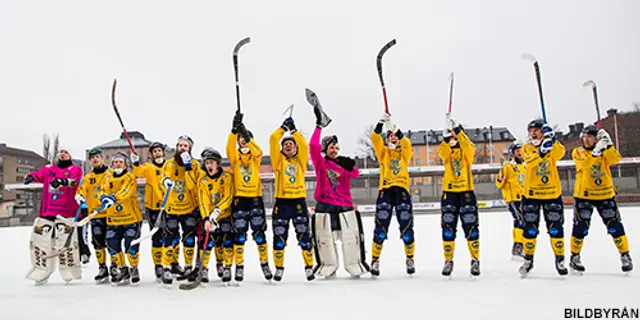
[137, 139]
[499, 134]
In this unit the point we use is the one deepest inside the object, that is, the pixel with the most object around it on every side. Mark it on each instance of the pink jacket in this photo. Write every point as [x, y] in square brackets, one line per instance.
[333, 182]
[59, 201]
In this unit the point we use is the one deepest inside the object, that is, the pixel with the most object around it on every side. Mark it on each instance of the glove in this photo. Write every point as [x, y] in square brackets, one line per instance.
[135, 159]
[346, 162]
[548, 132]
[186, 160]
[603, 135]
[167, 183]
[213, 219]
[237, 121]
[391, 126]
[242, 130]
[385, 118]
[108, 201]
[450, 121]
[446, 135]
[28, 179]
[600, 147]
[58, 182]
[80, 199]
[545, 147]
[289, 125]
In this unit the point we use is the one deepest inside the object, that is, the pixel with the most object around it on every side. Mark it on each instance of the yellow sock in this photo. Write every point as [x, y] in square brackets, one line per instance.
[101, 256]
[207, 257]
[219, 255]
[188, 252]
[529, 246]
[278, 258]
[156, 255]
[118, 259]
[558, 246]
[376, 250]
[239, 254]
[134, 259]
[307, 255]
[474, 249]
[167, 257]
[449, 248]
[576, 245]
[517, 235]
[176, 253]
[228, 257]
[622, 244]
[409, 250]
[263, 251]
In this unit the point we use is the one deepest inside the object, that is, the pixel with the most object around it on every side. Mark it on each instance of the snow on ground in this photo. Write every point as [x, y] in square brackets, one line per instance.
[499, 290]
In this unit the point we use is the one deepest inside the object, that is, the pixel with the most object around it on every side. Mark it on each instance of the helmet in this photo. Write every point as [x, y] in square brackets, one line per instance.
[515, 146]
[536, 123]
[211, 154]
[327, 141]
[288, 138]
[591, 130]
[157, 145]
[185, 138]
[120, 155]
[96, 151]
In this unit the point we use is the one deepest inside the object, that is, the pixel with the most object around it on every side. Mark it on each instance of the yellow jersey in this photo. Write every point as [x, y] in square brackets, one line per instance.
[216, 192]
[91, 189]
[512, 184]
[289, 172]
[542, 181]
[593, 174]
[152, 173]
[183, 198]
[394, 163]
[245, 167]
[126, 209]
[457, 164]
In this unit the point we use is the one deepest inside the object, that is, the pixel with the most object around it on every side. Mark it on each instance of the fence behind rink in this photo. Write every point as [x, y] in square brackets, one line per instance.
[426, 188]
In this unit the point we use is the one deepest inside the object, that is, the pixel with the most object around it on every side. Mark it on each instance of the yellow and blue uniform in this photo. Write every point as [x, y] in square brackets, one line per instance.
[248, 205]
[542, 191]
[393, 192]
[216, 192]
[510, 181]
[123, 218]
[458, 197]
[290, 195]
[91, 189]
[594, 188]
[153, 196]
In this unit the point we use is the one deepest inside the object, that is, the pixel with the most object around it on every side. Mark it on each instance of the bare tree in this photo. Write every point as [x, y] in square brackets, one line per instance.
[365, 146]
[46, 145]
[56, 146]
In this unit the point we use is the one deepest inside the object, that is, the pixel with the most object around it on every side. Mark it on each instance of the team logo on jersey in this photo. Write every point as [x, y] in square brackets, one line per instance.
[119, 207]
[457, 166]
[333, 178]
[55, 197]
[596, 173]
[181, 197]
[290, 172]
[521, 178]
[246, 173]
[394, 165]
[215, 198]
[96, 192]
[179, 187]
[542, 170]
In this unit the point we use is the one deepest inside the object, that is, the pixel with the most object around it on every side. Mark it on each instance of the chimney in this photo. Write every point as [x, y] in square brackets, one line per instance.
[579, 127]
[572, 128]
[612, 112]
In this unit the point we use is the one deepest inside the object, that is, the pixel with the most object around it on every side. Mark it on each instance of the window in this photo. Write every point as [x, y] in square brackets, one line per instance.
[18, 196]
[416, 150]
[19, 179]
[418, 162]
[429, 150]
[23, 170]
[1, 180]
[1, 159]
[23, 161]
[430, 161]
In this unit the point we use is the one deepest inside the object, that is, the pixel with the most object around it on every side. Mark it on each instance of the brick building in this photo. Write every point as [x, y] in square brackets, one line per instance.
[15, 165]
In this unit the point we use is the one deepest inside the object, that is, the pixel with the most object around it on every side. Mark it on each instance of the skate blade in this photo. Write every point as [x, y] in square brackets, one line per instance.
[102, 281]
[446, 278]
[576, 272]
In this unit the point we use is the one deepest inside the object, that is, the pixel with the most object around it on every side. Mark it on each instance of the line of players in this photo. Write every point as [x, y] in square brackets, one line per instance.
[202, 196]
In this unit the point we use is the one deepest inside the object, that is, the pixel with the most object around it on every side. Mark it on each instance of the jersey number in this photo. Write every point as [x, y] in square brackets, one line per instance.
[92, 181]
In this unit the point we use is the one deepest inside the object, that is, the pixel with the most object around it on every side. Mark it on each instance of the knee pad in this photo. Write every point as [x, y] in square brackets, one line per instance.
[556, 207]
[448, 235]
[554, 216]
[191, 221]
[585, 214]
[225, 227]
[473, 235]
[257, 217]
[615, 229]
[259, 239]
[305, 245]
[469, 218]
[583, 205]
[240, 224]
[279, 244]
[407, 237]
[240, 239]
[279, 227]
[130, 233]
[532, 232]
[530, 217]
[553, 231]
[383, 211]
[530, 208]
[448, 217]
[111, 234]
[189, 241]
[96, 230]
[239, 214]
[466, 209]
[448, 209]
[608, 213]
[380, 236]
[301, 224]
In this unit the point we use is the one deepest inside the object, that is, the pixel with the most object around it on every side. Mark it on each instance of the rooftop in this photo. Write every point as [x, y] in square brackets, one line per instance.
[9, 151]
[137, 139]
[477, 135]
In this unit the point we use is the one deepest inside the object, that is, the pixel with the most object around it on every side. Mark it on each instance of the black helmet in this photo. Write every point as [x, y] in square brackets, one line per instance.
[157, 145]
[96, 151]
[327, 141]
[515, 146]
[537, 123]
[211, 154]
[590, 129]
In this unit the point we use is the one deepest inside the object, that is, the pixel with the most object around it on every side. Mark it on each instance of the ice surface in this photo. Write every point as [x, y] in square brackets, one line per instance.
[499, 290]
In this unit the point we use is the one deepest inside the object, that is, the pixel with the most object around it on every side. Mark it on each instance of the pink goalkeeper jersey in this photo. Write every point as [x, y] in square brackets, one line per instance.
[333, 182]
[58, 201]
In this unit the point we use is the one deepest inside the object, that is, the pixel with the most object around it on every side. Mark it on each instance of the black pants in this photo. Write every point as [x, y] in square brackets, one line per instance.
[461, 205]
[286, 211]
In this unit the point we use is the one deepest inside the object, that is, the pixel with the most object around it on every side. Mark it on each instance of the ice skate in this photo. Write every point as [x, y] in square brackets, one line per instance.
[308, 272]
[85, 258]
[158, 273]
[226, 276]
[177, 270]
[220, 270]
[279, 274]
[167, 278]
[447, 269]
[375, 268]
[103, 274]
[135, 275]
[121, 277]
[627, 264]
[266, 271]
[576, 265]
[560, 267]
[475, 268]
[411, 266]
[239, 273]
[517, 251]
[204, 275]
[526, 267]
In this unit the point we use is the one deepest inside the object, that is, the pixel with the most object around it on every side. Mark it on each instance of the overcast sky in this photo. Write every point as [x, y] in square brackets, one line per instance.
[173, 63]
